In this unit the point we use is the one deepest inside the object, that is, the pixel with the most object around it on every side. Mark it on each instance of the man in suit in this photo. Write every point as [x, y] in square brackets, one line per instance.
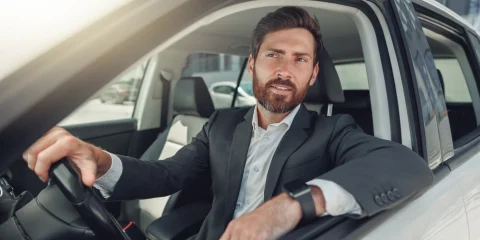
[271, 166]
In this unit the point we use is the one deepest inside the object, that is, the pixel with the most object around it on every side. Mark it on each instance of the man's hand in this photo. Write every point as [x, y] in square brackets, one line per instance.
[272, 219]
[57, 144]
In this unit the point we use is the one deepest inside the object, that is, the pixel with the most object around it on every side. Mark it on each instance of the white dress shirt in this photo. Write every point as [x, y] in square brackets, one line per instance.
[263, 144]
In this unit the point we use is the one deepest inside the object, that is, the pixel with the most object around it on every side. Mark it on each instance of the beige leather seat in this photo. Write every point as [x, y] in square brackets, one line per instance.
[193, 106]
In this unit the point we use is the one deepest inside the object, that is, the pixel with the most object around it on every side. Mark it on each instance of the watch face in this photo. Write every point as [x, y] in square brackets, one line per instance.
[295, 186]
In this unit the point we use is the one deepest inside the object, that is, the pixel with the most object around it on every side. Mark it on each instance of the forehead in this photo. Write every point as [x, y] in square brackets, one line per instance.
[295, 39]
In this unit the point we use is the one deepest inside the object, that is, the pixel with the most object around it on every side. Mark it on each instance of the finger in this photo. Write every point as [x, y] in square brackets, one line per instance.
[45, 141]
[31, 161]
[52, 154]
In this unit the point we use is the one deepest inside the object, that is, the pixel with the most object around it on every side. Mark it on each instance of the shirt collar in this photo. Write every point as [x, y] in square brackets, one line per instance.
[287, 120]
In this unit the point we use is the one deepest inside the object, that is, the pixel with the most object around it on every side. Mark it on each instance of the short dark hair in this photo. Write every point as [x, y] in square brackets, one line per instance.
[287, 18]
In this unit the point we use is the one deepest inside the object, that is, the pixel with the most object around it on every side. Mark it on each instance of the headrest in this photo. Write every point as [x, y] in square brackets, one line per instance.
[191, 97]
[355, 99]
[327, 88]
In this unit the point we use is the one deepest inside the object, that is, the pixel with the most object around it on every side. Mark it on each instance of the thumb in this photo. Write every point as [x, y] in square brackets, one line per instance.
[88, 171]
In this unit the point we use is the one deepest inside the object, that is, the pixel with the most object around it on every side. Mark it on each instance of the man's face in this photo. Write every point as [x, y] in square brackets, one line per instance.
[283, 70]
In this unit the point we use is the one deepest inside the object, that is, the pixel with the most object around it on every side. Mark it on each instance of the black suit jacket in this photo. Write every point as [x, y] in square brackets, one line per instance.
[378, 173]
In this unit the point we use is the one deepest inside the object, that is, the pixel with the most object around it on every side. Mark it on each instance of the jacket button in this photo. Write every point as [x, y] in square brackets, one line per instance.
[391, 196]
[384, 198]
[396, 192]
[378, 200]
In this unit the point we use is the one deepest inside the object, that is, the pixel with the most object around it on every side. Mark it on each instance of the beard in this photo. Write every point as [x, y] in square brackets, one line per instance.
[277, 103]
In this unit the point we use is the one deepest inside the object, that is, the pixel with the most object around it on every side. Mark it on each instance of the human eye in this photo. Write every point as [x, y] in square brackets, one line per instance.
[271, 55]
[301, 60]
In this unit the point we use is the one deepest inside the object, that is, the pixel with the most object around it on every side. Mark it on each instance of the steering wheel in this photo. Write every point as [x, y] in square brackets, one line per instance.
[88, 205]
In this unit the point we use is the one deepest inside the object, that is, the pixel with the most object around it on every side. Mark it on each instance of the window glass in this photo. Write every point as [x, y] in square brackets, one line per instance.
[456, 89]
[353, 76]
[115, 101]
[220, 73]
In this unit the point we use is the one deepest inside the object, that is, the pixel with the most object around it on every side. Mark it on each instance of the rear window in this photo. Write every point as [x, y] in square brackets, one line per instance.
[220, 73]
[353, 76]
[456, 89]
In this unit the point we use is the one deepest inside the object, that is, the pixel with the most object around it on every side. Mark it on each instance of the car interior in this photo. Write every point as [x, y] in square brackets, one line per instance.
[172, 107]
[230, 36]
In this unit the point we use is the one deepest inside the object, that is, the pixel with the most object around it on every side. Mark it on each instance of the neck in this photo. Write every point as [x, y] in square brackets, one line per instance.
[266, 117]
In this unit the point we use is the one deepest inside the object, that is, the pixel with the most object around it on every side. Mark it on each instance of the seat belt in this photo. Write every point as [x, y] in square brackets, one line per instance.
[166, 85]
[235, 93]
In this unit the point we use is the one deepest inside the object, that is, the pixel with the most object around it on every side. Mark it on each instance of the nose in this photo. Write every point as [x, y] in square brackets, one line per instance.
[283, 69]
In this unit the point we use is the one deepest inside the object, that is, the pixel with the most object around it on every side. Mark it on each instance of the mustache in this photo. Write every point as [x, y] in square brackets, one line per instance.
[280, 81]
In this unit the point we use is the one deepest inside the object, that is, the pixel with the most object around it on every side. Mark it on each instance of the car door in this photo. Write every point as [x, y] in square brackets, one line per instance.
[103, 121]
[430, 36]
[440, 212]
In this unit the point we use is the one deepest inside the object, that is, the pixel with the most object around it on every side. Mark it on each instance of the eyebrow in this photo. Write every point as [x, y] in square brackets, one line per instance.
[283, 52]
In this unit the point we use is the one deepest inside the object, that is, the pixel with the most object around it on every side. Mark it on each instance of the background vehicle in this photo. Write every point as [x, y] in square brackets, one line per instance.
[116, 93]
[223, 92]
[401, 64]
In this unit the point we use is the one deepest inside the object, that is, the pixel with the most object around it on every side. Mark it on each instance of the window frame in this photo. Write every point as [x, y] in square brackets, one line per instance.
[413, 52]
[458, 33]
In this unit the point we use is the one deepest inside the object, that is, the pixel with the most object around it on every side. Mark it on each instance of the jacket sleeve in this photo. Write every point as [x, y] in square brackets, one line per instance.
[380, 174]
[142, 179]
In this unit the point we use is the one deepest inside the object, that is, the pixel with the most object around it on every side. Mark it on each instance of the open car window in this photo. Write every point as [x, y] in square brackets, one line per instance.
[113, 102]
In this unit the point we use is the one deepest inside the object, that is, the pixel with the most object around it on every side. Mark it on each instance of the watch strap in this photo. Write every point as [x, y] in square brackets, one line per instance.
[308, 206]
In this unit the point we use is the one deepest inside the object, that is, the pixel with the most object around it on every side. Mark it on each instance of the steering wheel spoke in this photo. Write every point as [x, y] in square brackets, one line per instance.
[87, 203]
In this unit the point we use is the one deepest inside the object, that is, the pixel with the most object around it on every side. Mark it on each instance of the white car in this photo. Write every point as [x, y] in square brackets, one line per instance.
[222, 94]
[409, 69]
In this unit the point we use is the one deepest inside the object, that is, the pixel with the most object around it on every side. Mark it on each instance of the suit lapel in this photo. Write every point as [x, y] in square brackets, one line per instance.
[290, 142]
[236, 162]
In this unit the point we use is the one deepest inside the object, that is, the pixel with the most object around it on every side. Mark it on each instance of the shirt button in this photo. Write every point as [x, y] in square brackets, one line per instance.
[238, 206]
[256, 169]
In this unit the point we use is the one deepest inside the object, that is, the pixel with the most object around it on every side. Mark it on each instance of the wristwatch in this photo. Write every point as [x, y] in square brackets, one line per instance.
[300, 191]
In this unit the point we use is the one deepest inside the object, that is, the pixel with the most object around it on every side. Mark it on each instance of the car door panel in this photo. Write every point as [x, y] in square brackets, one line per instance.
[472, 207]
[112, 136]
[472, 198]
[439, 213]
